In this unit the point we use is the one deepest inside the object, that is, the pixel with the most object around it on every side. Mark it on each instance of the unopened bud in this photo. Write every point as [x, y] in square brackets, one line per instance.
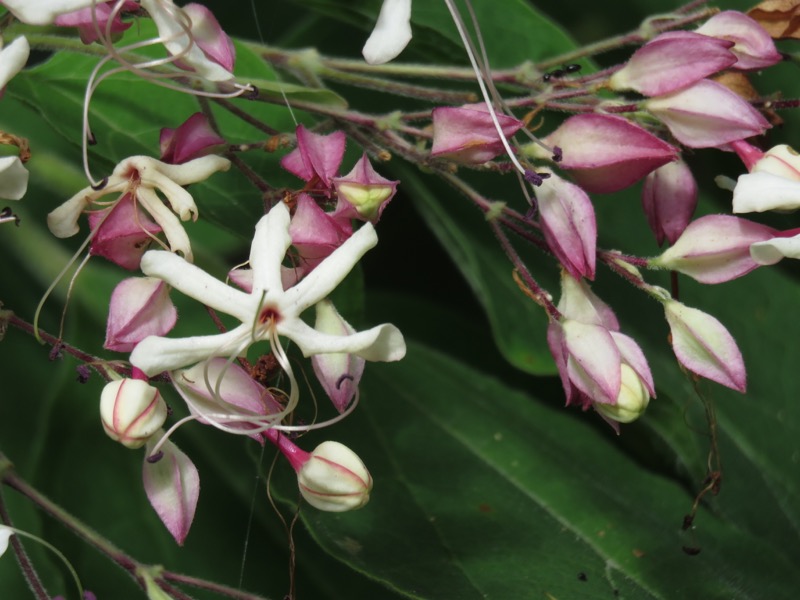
[632, 400]
[334, 479]
[131, 410]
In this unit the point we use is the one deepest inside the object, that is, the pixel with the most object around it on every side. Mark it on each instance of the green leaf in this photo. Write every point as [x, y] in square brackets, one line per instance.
[486, 492]
[519, 326]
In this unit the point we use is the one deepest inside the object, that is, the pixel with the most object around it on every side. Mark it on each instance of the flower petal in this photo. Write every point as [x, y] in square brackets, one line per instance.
[155, 354]
[383, 343]
[391, 34]
[172, 485]
[330, 272]
[270, 243]
[197, 284]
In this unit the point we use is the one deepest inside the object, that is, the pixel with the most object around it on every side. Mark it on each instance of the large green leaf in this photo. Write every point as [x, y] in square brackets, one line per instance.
[481, 491]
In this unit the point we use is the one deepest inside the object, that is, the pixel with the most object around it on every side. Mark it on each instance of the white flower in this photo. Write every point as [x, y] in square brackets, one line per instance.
[268, 311]
[141, 176]
[12, 58]
[13, 178]
[43, 12]
[391, 34]
[5, 534]
[172, 23]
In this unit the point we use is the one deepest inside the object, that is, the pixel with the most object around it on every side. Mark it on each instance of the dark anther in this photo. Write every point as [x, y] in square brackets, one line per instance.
[90, 139]
[558, 154]
[155, 457]
[344, 378]
[169, 410]
[103, 183]
[55, 351]
[83, 373]
[691, 550]
[535, 178]
[573, 68]
[530, 215]
[687, 521]
[582, 576]
[6, 213]
[546, 77]
[250, 94]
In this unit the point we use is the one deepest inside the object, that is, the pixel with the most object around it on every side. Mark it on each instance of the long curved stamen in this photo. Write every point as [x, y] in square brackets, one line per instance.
[142, 69]
[60, 276]
[169, 432]
[459, 23]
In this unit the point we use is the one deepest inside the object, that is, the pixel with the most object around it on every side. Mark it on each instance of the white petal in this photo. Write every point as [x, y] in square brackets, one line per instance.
[197, 284]
[759, 192]
[155, 354]
[43, 12]
[166, 219]
[270, 243]
[5, 533]
[772, 251]
[383, 343]
[330, 272]
[180, 200]
[198, 169]
[163, 13]
[13, 178]
[391, 34]
[12, 58]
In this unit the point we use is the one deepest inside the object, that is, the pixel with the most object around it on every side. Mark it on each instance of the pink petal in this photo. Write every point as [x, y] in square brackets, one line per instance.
[754, 47]
[172, 485]
[122, 233]
[703, 345]
[707, 114]
[140, 306]
[566, 216]
[606, 153]
[316, 156]
[673, 61]
[669, 197]
[191, 139]
[467, 134]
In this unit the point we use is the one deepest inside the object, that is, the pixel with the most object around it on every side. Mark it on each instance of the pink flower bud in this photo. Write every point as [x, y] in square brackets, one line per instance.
[669, 197]
[210, 37]
[172, 485]
[467, 134]
[631, 403]
[588, 361]
[363, 193]
[84, 19]
[140, 306]
[315, 234]
[578, 302]
[223, 393]
[715, 248]
[753, 47]
[191, 139]
[122, 233]
[703, 345]
[606, 153]
[566, 216]
[707, 114]
[334, 479]
[317, 157]
[339, 373]
[131, 411]
[673, 61]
